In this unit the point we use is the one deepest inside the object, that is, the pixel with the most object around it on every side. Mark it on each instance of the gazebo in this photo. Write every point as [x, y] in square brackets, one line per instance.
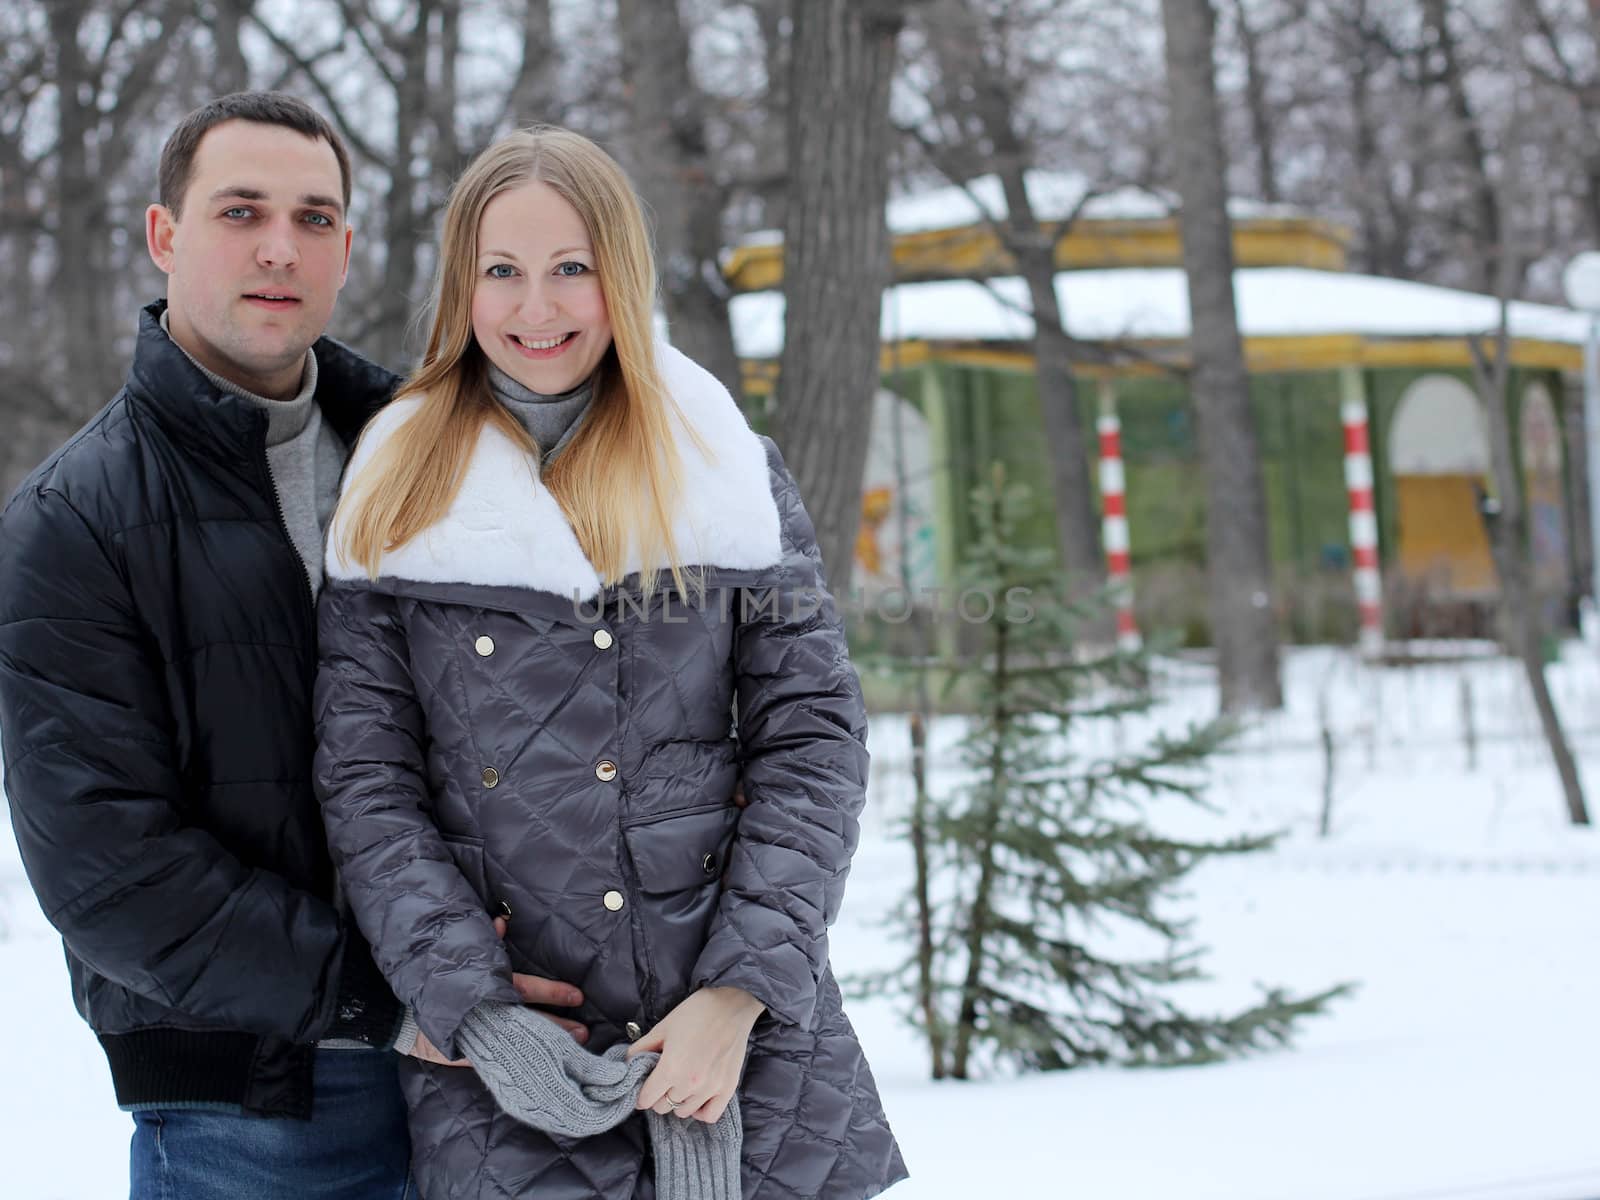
[1371, 432]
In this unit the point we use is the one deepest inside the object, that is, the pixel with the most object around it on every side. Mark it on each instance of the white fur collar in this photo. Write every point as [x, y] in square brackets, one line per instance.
[504, 528]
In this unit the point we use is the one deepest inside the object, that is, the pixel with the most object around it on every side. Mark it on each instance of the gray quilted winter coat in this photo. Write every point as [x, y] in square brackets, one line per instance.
[501, 734]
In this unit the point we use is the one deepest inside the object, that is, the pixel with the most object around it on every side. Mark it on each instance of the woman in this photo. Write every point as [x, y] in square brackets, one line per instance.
[561, 563]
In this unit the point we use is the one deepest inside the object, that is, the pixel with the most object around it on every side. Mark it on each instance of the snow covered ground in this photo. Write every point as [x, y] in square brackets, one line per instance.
[1465, 1067]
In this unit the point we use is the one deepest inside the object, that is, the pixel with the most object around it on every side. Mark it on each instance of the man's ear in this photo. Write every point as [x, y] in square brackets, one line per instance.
[349, 234]
[159, 226]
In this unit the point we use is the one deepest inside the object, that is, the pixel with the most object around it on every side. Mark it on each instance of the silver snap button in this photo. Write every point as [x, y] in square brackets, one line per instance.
[613, 901]
[484, 646]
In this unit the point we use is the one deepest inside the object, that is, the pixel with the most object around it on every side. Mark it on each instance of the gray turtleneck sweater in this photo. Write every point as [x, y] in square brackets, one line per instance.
[306, 459]
[550, 420]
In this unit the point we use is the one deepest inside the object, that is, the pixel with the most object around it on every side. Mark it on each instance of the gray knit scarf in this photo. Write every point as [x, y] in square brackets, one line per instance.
[538, 1074]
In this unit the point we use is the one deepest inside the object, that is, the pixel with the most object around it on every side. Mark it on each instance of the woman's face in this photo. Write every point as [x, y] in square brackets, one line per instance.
[537, 308]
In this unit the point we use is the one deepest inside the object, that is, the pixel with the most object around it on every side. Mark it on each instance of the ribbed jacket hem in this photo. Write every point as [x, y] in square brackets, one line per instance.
[155, 1067]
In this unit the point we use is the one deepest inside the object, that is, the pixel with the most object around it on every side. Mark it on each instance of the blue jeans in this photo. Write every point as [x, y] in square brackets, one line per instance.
[354, 1147]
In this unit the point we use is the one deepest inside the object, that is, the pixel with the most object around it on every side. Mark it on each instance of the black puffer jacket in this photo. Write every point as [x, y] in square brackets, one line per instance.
[156, 666]
[500, 734]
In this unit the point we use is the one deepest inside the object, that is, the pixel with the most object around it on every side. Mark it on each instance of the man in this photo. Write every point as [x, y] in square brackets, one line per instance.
[157, 585]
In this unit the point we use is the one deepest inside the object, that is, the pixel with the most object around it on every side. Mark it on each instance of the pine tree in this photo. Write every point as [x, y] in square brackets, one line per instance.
[1026, 869]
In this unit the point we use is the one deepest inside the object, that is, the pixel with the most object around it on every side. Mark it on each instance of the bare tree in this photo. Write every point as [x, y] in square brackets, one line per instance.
[91, 63]
[1567, 60]
[85, 89]
[535, 93]
[1386, 201]
[1238, 567]
[225, 19]
[1444, 66]
[1507, 519]
[1522, 622]
[835, 257]
[673, 164]
[1264, 121]
[977, 124]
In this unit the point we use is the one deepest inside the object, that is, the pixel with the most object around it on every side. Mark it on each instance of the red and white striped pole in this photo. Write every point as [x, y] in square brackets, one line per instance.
[1114, 519]
[1363, 518]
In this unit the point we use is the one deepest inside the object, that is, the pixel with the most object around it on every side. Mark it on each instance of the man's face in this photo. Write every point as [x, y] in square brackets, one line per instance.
[255, 262]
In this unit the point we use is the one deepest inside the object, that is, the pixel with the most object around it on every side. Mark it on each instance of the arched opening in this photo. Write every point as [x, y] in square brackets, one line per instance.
[1439, 457]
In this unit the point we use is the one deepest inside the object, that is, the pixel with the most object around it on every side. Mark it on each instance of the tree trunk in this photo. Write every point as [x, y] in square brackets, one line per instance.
[963, 42]
[1077, 523]
[449, 155]
[533, 98]
[1577, 509]
[1262, 126]
[89, 359]
[402, 230]
[1470, 151]
[835, 258]
[1507, 522]
[927, 999]
[997, 789]
[672, 164]
[769, 173]
[231, 72]
[1238, 566]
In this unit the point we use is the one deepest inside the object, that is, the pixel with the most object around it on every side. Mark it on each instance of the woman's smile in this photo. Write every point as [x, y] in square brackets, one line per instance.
[543, 348]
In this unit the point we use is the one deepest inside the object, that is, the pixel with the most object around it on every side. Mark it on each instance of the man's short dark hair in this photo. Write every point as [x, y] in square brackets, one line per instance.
[265, 108]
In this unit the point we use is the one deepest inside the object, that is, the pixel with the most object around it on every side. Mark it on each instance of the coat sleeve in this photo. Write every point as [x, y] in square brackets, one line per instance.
[430, 933]
[802, 732]
[151, 903]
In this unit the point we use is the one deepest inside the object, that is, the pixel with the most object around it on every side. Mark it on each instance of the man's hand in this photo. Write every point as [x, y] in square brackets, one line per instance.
[535, 989]
[702, 1044]
[428, 1052]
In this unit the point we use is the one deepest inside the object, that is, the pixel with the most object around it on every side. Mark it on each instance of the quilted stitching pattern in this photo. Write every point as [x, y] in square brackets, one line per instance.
[410, 715]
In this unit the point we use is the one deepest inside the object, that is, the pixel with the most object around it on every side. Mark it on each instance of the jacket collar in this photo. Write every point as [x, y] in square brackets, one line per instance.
[505, 529]
[350, 389]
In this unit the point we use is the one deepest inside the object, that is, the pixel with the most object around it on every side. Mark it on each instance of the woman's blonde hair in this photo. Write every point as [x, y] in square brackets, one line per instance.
[619, 477]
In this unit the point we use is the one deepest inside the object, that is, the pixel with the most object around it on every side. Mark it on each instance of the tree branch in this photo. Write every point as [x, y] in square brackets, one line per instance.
[354, 21]
[307, 68]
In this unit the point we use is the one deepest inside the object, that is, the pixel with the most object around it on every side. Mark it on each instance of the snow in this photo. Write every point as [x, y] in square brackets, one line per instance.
[1127, 303]
[1053, 195]
[1463, 1068]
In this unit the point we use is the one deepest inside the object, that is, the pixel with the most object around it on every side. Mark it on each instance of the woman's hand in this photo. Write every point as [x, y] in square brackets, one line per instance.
[702, 1044]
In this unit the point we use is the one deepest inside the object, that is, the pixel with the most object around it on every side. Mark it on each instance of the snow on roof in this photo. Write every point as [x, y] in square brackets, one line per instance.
[1053, 195]
[1154, 303]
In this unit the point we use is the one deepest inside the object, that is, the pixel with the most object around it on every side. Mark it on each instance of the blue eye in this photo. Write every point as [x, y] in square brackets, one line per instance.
[236, 212]
[577, 269]
[320, 219]
[494, 271]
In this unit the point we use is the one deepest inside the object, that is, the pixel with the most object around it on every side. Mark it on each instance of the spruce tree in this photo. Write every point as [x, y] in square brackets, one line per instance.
[1033, 868]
